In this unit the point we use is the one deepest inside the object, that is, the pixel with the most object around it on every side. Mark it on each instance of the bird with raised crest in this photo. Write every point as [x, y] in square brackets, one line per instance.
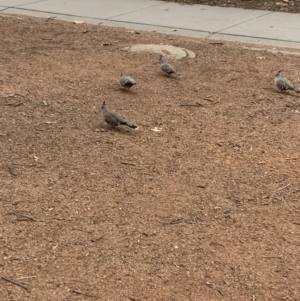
[113, 118]
[166, 67]
[127, 82]
[283, 84]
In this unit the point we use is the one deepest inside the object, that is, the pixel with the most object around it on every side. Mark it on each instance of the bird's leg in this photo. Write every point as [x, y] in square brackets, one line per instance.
[113, 127]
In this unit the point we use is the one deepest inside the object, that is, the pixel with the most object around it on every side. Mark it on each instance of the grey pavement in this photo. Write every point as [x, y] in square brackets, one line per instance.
[261, 27]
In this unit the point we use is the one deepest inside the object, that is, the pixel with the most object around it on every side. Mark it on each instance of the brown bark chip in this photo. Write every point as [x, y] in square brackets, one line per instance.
[200, 203]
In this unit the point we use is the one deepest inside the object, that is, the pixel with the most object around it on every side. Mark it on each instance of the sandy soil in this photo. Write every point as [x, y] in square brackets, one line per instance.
[206, 209]
[291, 6]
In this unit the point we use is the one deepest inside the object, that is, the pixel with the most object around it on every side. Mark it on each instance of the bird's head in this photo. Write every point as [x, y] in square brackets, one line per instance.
[103, 105]
[278, 73]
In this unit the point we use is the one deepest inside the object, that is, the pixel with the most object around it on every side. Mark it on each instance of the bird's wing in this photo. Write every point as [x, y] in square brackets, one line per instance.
[116, 116]
[289, 84]
[131, 80]
[282, 84]
[109, 116]
[123, 81]
[168, 68]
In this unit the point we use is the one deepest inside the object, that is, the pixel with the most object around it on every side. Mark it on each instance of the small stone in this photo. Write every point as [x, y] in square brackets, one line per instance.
[13, 170]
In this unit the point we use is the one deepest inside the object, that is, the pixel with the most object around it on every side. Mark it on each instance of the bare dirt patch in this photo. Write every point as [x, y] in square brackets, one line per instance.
[206, 209]
[291, 6]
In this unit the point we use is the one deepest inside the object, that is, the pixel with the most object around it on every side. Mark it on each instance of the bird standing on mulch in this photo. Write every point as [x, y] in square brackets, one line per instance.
[166, 67]
[113, 118]
[283, 84]
[127, 82]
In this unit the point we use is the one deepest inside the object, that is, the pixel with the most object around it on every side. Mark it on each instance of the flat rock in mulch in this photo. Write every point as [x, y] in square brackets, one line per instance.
[167, 50]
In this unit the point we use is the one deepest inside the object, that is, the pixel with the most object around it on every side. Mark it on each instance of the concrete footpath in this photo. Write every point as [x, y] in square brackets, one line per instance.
[261, 27]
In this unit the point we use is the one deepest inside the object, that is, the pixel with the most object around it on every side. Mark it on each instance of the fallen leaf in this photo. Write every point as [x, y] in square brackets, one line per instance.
[105, 44]
[156, 129]
[261, 57]
[35, 158]
[78, 22]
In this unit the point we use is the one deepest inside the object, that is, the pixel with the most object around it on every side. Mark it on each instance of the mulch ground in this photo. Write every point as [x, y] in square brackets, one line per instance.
[206, 209]
[291, 6]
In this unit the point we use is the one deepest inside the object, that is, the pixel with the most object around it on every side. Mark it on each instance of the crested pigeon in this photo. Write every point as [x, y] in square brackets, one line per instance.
[283, 84]
[166, 67]
[127, 82]
[113, 118]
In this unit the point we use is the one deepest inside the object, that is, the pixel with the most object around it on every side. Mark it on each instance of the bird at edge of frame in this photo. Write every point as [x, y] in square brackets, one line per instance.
[126, 82]
[166, 67]
[114, 119]
[283, 84]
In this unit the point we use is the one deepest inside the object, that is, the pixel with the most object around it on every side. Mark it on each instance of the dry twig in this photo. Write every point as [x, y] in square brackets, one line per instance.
[232, 79]
[81, 293]
[175, 221]
[97, 239]
[191, 105]
[128, 163]
[220, 292]
[25, 218]
[15, 282]
[284, 187]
